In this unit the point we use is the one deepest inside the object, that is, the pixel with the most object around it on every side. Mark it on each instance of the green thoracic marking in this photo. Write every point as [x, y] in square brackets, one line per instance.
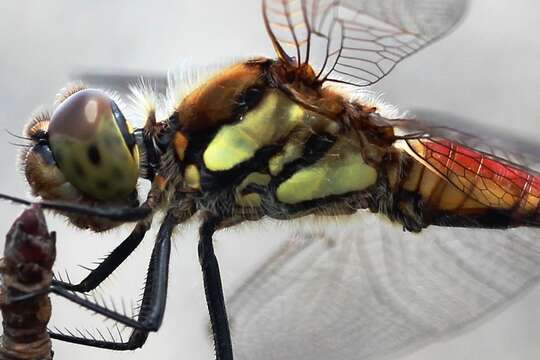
[101, 167]
[292, 150]
[251, 199]
[340, 171]
[192, 176]
[269, 122]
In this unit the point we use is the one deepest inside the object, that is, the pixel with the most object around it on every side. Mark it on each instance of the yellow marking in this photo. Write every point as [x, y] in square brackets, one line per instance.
[340, 171]
[292, 150]
[248, 200]
[254, 178]
[270, 121]
[332, 128]
[531, 204]
[192, 177]
[129, 127]
[251, 200]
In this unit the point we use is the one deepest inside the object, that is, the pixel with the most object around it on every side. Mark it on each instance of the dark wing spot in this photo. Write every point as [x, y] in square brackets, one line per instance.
[93, 155]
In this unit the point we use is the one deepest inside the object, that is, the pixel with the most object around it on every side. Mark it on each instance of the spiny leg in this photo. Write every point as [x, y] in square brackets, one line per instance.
[153, 301]
[109, 213]
[122, 251]
[111, 262]
[214, 290]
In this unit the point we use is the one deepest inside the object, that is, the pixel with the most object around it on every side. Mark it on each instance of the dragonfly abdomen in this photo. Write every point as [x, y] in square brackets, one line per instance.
[460, 186]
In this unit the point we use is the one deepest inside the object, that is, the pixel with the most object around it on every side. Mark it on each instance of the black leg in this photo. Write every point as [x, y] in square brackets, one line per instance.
[111, 263]
[135, 340]
[153, 302]
[214, 291]
[112, 213]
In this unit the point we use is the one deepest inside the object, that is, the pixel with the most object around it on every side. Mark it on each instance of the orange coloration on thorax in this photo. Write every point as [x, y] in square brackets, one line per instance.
[180, 144]
[213, 103]
[303, 86]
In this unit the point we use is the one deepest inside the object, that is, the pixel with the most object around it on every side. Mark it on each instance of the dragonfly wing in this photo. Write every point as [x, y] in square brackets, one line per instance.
[366, 289]
[497, 142]
[496, 170]
[357, 41]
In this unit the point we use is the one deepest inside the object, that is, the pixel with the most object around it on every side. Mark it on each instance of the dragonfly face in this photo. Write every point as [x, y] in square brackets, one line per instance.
[84, 152]
[273, 138]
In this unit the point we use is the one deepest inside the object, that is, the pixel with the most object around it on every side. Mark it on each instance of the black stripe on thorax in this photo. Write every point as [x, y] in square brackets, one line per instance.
[315, 149]
[213, 181]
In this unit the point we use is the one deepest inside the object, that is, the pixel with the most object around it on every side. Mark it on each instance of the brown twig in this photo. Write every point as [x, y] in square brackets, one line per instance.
[29, 254]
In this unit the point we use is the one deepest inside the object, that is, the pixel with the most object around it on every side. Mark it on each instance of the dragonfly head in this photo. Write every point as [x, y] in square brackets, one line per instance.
[85, 152]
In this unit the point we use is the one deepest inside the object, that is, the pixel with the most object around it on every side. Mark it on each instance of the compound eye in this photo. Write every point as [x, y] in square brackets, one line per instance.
[94, 146]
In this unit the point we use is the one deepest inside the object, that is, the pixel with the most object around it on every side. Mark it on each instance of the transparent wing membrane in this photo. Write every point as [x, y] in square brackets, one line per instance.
[356, 41]
[501, 144]
[368, 289]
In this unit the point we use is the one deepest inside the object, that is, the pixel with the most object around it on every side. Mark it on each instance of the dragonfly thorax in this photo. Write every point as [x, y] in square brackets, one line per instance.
[265, 151]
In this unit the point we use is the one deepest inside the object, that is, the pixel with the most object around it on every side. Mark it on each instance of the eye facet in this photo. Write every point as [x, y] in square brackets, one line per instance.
[94, 145]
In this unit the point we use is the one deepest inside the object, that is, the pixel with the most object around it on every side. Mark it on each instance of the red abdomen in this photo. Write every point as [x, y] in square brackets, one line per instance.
[459, 179]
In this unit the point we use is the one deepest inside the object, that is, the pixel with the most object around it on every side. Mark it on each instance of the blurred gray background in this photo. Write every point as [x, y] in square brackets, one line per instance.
[487, 70]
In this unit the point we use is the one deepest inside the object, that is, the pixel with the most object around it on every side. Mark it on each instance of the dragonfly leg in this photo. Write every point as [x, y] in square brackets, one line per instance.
[119, 254]
[214, 291]
[153, 302]
[120, 214]
[136, 339]
[111, 262]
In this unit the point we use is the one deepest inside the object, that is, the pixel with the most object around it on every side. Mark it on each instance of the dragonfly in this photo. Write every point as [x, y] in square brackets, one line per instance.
[289, 139]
